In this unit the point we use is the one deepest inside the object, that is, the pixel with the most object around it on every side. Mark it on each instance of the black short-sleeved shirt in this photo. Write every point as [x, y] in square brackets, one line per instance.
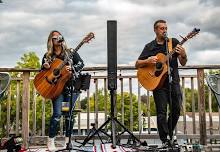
[153, 48]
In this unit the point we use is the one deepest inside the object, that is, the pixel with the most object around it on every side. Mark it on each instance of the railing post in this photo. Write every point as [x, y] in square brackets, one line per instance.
[105, 100]
[43, 124]
[96, 105]
[25, 107]
[148, 113]
[193, 106]
[34, 117]
[131, 105]
[79, 116]
[17, 106]
[9, 111]
[140, 126]
[88, 111]
[184, 106]
[202, 111]
[122, 102]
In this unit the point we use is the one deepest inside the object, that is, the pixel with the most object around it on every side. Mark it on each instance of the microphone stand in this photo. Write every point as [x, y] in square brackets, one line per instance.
[68, 57]
[169, 69]
[169, 82]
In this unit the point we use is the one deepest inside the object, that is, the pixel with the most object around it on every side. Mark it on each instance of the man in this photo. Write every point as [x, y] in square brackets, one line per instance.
[161, 95]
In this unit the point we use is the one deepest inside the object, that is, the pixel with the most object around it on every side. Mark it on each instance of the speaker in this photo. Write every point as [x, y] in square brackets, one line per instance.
[112, 54]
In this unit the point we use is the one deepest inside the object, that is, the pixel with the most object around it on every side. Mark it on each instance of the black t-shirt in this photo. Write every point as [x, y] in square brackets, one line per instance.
[153, 48]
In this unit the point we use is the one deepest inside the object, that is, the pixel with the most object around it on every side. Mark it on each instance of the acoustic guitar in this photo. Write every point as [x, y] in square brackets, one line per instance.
[50, 82]
[153, 76]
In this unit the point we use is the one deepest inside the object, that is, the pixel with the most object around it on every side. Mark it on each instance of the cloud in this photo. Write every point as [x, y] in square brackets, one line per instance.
[26, 25]
[211, 2]
[206, 57]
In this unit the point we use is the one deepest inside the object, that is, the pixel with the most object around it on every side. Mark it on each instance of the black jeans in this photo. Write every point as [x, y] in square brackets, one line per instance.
[161, 98]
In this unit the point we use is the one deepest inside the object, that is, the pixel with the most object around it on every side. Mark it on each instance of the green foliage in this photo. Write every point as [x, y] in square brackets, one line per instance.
[214, 72]
[126, 96]
[29, 60]
[188, 95]
[40, 103]
[144, 100]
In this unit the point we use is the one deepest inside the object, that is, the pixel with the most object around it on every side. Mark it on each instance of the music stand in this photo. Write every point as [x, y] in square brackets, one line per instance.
[213, 82]
[4, 83]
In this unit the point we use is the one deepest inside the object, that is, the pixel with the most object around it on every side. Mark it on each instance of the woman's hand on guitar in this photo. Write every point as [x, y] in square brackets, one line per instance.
[180, 50]
[152, 59]
[68, 68]
[46, 65]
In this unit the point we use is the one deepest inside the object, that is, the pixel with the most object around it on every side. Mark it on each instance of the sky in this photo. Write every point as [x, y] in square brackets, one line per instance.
[26, 24]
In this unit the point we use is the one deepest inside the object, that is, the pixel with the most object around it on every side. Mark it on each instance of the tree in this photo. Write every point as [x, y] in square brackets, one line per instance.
[29, 60]
[144, 100]
[101, 106]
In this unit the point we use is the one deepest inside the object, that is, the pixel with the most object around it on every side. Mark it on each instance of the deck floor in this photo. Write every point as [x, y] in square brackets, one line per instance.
[107, 147]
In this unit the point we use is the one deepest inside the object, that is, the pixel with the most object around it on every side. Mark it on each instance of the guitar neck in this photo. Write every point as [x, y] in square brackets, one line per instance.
[76, 49]
[79, 46]
[180, 43]
[183, 41]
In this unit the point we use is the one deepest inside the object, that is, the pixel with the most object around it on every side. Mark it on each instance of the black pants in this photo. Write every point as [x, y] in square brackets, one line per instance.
[161, 98]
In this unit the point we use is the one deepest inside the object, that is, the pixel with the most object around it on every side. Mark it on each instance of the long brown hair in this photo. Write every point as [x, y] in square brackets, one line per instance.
[50, 45]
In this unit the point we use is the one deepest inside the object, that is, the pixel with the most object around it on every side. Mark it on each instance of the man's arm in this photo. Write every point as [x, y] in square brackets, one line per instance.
[182, 55]
[182, 60]
[145, 62]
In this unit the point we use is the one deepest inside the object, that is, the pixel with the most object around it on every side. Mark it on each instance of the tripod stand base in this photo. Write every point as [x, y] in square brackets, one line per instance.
[89, 137]
[113, 120]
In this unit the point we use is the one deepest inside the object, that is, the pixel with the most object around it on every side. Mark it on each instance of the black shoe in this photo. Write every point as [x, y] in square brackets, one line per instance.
[175, 143]
[166, 144]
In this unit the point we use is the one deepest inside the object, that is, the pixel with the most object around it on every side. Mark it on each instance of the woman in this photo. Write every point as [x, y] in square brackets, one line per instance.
[56, 48]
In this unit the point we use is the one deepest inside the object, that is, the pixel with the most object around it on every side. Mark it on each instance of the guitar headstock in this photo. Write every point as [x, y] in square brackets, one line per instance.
[88, 37]
[194, 32]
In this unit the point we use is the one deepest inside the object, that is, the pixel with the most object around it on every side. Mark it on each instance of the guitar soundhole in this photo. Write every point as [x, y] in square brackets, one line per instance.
[159, 68]
[56, 72]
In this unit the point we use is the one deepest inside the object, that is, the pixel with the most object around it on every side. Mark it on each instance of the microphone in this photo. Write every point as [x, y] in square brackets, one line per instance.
[60, 39]
[165, 35]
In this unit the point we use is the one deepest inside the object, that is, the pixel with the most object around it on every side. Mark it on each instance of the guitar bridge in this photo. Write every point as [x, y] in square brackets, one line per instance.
[53, 80]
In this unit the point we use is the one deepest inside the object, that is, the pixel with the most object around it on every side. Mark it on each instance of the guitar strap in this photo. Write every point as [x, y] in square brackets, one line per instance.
[170, 47]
